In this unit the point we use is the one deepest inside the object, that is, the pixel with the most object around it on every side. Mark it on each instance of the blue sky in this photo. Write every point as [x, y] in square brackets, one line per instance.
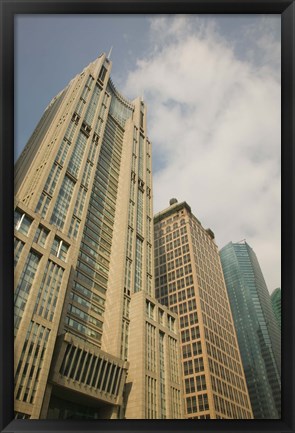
[212, 88]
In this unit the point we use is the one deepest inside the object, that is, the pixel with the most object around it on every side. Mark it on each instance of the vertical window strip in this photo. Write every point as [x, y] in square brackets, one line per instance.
[162, 376]
[139, 216]
[52, 179]
[18, 247]
[62, 152]
[140, 156]
[74, 227]
[70, 132]
[80, 201]
[129, 242]
[128, 275]
[92, 105]
[148, 206]
[124, 339]
[131, 214]
[43, 204]
[77, 154]
[87, 174]
[62, 203]
[80, 106]
[24, 286]
[138, 266]
[92, 151]
[49, 290]
[98, 126]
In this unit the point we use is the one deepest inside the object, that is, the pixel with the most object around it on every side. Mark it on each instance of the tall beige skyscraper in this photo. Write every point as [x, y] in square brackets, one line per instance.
[91, 341]
[189, 280]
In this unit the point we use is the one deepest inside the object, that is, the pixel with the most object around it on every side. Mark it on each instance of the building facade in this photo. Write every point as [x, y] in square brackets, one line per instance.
[190, 282]
[276, 301]
[257, 330]
[90, 339]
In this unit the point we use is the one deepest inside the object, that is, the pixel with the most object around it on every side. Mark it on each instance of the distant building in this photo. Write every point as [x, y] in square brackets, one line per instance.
[276, 304]
[91, 341]
[190, 282]
[256, 326]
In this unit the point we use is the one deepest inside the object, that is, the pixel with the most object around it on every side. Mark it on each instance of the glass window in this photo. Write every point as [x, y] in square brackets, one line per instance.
[102, 73]
[62, 203]
[24, 286]
[22, 222]
[59, 248]
[18, 247]
[41, 235]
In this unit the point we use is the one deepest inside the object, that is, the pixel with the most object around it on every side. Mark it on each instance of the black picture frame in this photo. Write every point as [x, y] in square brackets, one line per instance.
[8, 10]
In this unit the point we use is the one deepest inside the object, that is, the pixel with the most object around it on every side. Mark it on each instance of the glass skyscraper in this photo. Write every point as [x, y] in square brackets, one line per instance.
[91, 341]
[276, 304]
[257, 329]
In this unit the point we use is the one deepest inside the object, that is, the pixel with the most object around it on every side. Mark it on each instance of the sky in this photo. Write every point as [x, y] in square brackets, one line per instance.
[212, 87]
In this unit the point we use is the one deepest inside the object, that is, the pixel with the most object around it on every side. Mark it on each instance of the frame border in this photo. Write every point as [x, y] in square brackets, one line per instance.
[8, 9]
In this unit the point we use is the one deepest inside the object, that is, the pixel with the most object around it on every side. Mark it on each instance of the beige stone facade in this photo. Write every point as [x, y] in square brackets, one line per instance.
[91, 341]
[189, 280]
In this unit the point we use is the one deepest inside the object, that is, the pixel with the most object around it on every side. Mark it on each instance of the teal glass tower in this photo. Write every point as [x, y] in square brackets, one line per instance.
[276, 304]
[257, 330]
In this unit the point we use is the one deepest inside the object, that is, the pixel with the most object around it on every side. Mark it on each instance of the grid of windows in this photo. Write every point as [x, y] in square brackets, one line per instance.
[175, 262]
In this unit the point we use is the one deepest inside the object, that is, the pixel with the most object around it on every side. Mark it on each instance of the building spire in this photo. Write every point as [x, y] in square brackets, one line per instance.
[110, 52]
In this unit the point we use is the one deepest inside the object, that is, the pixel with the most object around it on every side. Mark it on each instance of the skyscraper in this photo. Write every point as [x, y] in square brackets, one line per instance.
[190, 282]
[276, 305]
[90, 339]
[257, 330]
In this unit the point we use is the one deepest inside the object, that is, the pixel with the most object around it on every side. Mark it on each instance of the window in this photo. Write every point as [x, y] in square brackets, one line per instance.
[171, 323]
[41, 235]
[189, 385]
[161, 316]
[60, 210]
[102, 73]
[24, 286]
[199, 365]
[18, 247]
[201, 382]
[138, 266]
[60, 248]
[22, 222]
[150, 309]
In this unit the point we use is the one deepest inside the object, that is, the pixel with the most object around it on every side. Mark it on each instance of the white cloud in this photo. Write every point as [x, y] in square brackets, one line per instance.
[215, 121]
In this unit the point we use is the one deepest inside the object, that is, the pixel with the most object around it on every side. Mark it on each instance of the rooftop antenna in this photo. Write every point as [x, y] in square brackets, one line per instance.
[110, 52]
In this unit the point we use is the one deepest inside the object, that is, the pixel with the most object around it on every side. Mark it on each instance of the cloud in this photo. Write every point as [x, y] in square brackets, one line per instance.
[214, 121]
